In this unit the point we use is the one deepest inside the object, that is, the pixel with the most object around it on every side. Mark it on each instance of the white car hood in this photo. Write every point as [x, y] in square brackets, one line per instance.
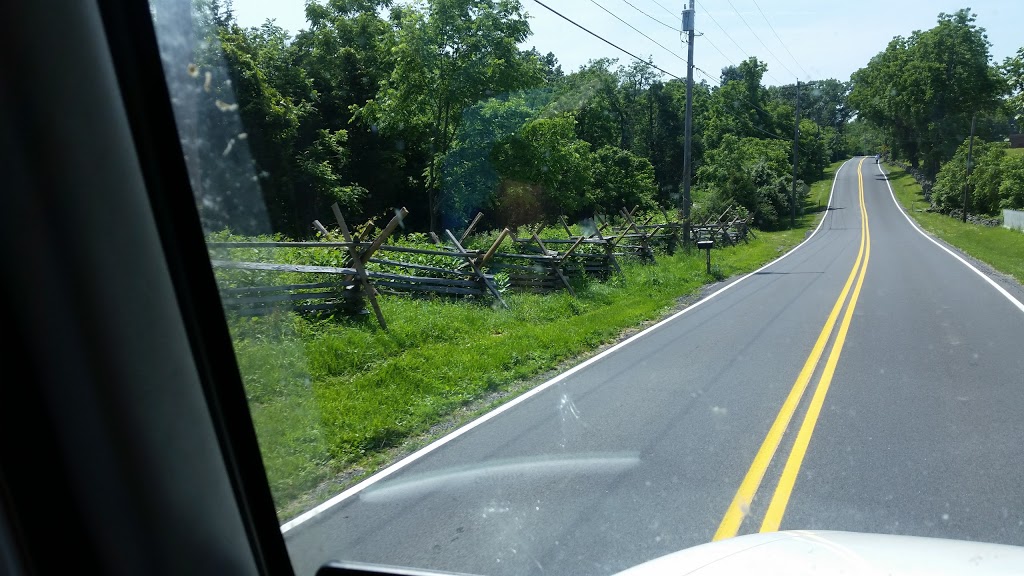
[829, 553]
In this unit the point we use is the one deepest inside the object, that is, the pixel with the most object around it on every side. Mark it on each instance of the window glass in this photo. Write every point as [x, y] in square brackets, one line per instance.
[463, 249]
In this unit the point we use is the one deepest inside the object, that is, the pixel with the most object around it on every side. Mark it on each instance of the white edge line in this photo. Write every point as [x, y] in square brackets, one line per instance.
[321, 508]
[995, 285]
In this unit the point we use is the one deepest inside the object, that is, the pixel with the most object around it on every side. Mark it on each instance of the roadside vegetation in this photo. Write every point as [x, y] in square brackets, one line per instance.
[999, 247]
[817, 199]
[331, 397]
[996, 182]
[917, 100]
[435, 106]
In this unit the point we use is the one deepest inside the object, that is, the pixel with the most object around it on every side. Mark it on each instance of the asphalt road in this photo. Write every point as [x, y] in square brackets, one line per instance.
[868, 381]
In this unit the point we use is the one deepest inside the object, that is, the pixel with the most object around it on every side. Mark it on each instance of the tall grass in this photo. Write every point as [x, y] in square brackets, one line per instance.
[333, 398]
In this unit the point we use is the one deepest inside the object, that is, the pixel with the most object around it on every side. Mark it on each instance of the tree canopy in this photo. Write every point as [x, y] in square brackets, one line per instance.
[923, 90]
[434, 106]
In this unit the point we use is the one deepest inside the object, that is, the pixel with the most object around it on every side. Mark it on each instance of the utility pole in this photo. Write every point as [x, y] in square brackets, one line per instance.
[970, 150]
[796, 148]
[688, 125]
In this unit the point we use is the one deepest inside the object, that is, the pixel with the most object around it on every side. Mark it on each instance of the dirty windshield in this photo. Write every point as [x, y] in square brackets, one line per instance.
[563, 287]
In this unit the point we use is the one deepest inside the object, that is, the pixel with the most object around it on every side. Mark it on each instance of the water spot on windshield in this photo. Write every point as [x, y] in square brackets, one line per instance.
[570, 416]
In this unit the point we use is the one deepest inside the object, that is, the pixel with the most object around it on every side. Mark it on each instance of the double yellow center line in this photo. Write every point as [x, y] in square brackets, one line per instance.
[740, 506]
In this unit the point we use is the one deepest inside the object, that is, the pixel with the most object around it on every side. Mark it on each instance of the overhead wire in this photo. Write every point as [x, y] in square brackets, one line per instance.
[712, 44]
[777, 59]
[733, 40]
[708, 40]
[608, 42]
[786, 48]
[637, 30]
[663, 8]
[670, 27]
[651, 63]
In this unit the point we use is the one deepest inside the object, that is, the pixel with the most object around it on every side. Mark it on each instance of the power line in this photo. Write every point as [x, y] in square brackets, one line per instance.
[786, 48]
[716, 81]
[708, 13]
[712, 44]
[595, 35]
[614, 15]
[733, 40]
[652, 17]
[708, 40]
[777, 59]
[663, 8]
[652, 64]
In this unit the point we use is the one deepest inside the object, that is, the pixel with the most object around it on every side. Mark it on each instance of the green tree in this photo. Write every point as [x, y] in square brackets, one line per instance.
[730, 73]
[549, 62]
[863, 138]
[258, 63]
[637, 129]
[296, 97]
[449, 55]
[738, 106]
[813, 154]
[545, 172]
[1013, 71]
[1011, 189]
[591, 96]
[470, 179]
[667, 104]
[621, 180]
[985, 180]
[923, 90]
[344, 54]
[754, 173]
[825, 102]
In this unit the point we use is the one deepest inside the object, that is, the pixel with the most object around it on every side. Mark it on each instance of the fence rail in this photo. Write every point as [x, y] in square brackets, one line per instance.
[371, 266]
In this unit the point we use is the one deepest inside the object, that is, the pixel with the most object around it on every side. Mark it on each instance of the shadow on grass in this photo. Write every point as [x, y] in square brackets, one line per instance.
[897, 173]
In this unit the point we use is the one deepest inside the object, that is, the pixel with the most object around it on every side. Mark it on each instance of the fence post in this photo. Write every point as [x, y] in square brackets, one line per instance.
[476, 268]
[357, 262]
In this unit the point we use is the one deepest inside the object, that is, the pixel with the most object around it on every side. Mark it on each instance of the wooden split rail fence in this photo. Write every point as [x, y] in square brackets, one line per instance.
[639, 238]
[372, 266]
[728, 228]
[345, 288]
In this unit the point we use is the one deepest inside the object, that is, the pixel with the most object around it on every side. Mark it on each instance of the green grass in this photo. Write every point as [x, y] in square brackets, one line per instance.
[333, 400]
[1015, 151]
[817, 200]
[1001, 248]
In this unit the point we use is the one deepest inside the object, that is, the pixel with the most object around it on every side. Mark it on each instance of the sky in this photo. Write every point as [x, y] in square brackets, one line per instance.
[798, 39]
